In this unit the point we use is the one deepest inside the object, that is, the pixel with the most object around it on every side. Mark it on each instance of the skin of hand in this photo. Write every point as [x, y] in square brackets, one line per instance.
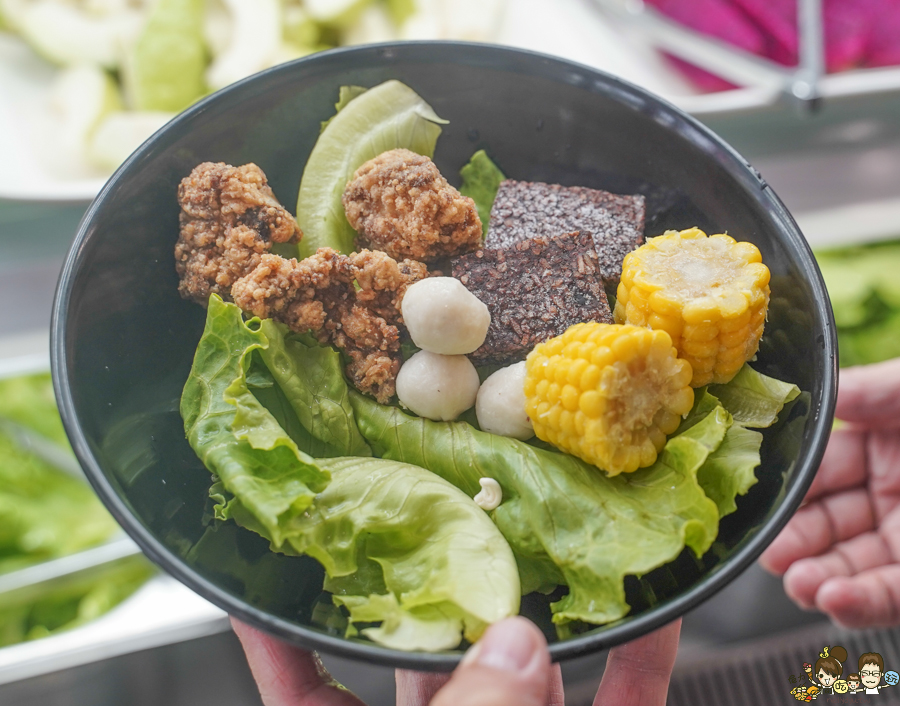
[509, 665]
[840, 553]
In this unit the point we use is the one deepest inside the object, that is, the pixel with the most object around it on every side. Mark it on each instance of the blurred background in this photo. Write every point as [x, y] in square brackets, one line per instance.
[809, 93]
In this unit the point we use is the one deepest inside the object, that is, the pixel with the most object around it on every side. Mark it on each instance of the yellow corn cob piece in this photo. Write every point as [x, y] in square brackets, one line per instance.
[608, 394]
[709, 293]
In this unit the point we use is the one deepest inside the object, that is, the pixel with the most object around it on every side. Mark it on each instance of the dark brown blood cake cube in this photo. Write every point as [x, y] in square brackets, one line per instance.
[535, 290]
[525, 209]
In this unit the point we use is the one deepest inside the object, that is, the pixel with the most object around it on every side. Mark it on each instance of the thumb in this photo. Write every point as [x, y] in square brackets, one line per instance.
[510, 664]
[870, 394]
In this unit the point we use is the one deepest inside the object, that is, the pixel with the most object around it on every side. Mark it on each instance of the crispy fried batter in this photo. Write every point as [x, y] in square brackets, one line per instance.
[383, 281]
[229, 219]
[317, 294]
[398, 202]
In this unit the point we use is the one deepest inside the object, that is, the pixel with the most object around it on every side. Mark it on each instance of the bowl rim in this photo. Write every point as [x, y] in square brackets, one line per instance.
[500, 58]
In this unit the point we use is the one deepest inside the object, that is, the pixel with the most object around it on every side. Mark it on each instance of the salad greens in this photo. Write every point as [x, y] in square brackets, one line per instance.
[399, 545]
[29, 401]
[564, 518]
[383, 118]
[480, 181]
[69, 601]
[235, 436]
[402, 547]
[45, 513]
[383, 499]
[751, 398]
[865, 298]
[565, 521]
[165, 68]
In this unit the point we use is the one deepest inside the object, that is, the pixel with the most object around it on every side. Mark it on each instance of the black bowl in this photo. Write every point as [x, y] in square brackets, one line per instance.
[123, 340]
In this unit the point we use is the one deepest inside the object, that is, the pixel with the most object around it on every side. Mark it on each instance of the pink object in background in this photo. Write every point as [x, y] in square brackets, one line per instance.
[884, 45]
[858, 33]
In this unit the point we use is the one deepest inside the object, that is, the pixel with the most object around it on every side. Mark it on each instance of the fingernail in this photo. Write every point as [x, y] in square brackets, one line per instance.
[509, 646]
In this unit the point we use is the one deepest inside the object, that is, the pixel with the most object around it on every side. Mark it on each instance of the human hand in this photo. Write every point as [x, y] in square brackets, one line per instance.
[509, 665]
[840, 553]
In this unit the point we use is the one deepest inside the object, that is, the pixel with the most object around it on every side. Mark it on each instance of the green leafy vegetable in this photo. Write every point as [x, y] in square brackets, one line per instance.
[49, 608]
[561, 511]
[345, 95]
[480, 180]
[729, 471]
[754, 399]
[865, 298]
[234, 435]
[28, 400]
[44, 513]
[401, 10]
[385, 117]
[411, 553]
[442, 561]
[313, 383]
[164, 70]
[402, 546]
[850, 290]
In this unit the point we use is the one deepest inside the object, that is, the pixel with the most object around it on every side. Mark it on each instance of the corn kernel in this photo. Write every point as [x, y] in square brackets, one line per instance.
[619, 399]
[709, 293]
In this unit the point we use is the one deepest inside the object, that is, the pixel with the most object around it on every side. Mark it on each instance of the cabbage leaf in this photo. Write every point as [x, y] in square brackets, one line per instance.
[313, 383]
[235, 436]
[480, 181]
[404, 547]
[559, 510]
[754, 399]
[400, 546]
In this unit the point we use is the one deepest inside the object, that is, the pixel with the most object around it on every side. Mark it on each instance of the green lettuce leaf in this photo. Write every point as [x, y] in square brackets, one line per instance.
[70, 601]
[754, 399]
[440, 564]
[480, 180]
[44, 512]
[383, 118]
[729, 471]
[312, 380]
[559, 511]
[234, 435]
[345, 95]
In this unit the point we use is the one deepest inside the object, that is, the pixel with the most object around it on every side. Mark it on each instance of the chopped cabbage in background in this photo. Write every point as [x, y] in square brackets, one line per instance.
[128, 66]
[865, 297]
[46, 513]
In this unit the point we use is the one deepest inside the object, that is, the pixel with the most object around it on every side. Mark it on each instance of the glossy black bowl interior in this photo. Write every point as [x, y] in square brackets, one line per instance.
[124, 340]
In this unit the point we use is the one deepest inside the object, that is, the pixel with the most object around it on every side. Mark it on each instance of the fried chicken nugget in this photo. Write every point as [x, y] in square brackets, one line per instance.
[318, 294]
[398, 202]
[229, 219]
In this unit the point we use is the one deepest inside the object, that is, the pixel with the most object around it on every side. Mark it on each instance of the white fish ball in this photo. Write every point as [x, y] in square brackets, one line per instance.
[439, 387]
[500, 406]
[442, 316]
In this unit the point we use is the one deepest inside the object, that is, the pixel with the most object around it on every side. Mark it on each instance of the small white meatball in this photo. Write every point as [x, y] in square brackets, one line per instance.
[439, 387]
[442, 316]
[500, 406]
